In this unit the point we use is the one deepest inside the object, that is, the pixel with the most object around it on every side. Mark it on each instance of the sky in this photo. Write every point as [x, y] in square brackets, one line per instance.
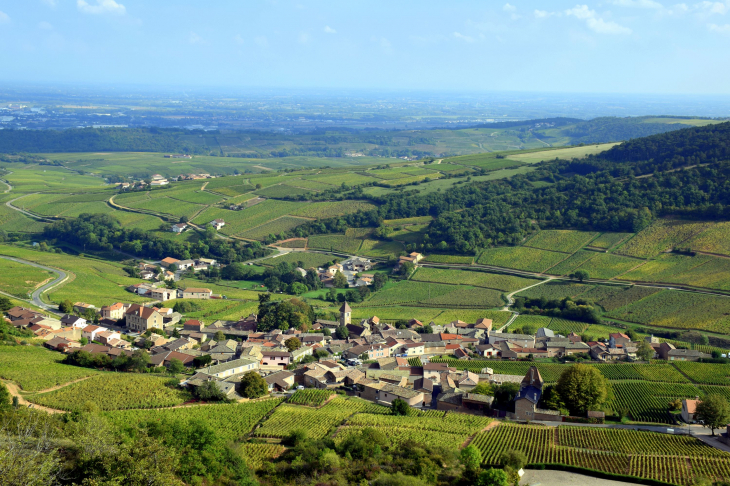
[611, 46]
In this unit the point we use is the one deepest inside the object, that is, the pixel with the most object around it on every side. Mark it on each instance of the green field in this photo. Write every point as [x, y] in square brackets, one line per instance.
[19, 279]
[563, 153]
[475, 278]
[566, 241]
[521, 258]
[35, 368]
[661, 236]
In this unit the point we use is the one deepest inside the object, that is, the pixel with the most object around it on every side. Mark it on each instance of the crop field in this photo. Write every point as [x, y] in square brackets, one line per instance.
[409, 292]
[114, 391]
[406, 221]
[168, 205]
[11, 220]
[463, 296]
[534, 322]
[705, 373]
[661, 236]
[647, 402]
[317, 422]
[571, 264]
[51, 178]
[232, 422]
[647, 372]
[239, 221]
[275, 227]
[677, 460]
[339, 243]
[609, 240]
[601, 292]
[563, 153]
[565, 326]
[567, 241]
[136, 220]
[521, 258]
[475, 278]
[698, 271]
[380, 249]
[18, 279]
[35, 368]
[499, 318]
[448, 431]
[550, 372]
[348, 178]
[715, 239]
[310, 397]
[94, 281]
[232, 191]
[622, 297]
[309, 260]
[282, 191]
[256, 455]
[311, 185]
[555, 290]
[394, 313]
[676, 309]
[460, 259]
[607, 265]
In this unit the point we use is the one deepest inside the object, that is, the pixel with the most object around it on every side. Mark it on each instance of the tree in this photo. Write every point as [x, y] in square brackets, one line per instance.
[292, 343]
[713, 411]
[175, 367]
[5, 400]
[298, 288]
[342, 332]
[399, 407]
[139, 360]
[407, 269]
[493, 477]
[339, 280]
[425, 329]
[253, 385]
[483, 388]
[582, 388]
[581, 275]
[67, 307]
[471, 458]
[645, 351]
[512, 461]
[5, 303]
[201, 361]
[219, 336]
[209, 391]
[505, 393]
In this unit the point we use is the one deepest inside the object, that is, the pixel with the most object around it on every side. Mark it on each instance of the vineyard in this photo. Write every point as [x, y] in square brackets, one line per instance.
[274, 227]
[233, 422]
[18, 279]
[705, 373]
[648, 402]
[609, 240]
[464, 260]
[35, 368]
[567, 241]
[311, 397]
[437, 295]
[647, 372]
[308, 260]
[256, 455]
[317, 422]
[555, 290]
[439, 430]
[114, 391]
[475, 278]
[675, 459]
[662, 235]
[521, 258]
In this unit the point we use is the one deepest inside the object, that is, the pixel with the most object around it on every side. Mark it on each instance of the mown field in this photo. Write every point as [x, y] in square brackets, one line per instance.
[34, 368]
[19, 279]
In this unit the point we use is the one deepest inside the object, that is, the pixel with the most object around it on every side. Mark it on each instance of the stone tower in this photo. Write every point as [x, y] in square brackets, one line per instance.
[345, 314]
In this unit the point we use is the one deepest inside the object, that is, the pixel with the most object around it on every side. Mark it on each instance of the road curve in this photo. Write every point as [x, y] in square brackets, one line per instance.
[36, 296]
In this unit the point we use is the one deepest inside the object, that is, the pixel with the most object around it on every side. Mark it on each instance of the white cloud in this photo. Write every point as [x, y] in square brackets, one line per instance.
[720, 29]
[261, 41]
[101, 7]
[509, 8]
[595, 23]
[4, 18]
[329, 30]
[194, 38]
[463, 37]
[638, 4]
[45, 25]
[714, 7]
[238, 39]
[384, 43]
[303, 38]
[50, 3]
[542, 14]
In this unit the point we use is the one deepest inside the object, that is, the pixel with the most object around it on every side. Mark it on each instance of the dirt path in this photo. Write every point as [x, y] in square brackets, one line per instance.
[13, 389]
[491, 425]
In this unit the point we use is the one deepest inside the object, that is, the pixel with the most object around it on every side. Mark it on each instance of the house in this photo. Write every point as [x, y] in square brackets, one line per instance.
[114, 311]
[689, 409]
[484, 324]
[164, 358]
[69, 320]
[280, 381]
[61, 344]
[230, 368]
[105, 337]
[185, 264]
[487, 350]
[195, 293]
[179, 228]
[528, 397]
[147, 275]
[217, 223]
[686, 355]
[167, 262]
[193, 325]
[163, 294]
[616, 339]
[140, 319]
[373, 351]
[313, 338]
[275, 358]
[432, 371]
[381, 392]
[458, 401]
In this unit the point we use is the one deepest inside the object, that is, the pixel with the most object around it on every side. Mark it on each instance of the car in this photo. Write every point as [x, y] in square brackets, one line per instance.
[300, 387]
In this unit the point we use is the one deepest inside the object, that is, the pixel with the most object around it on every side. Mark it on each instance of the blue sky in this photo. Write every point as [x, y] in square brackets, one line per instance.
[612, 46]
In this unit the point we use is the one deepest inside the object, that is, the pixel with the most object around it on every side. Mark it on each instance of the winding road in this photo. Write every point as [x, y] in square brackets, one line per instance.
[36, 296]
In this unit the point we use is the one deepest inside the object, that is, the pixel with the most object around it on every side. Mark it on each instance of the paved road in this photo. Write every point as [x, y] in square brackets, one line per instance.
[36, 296]
[535, 477]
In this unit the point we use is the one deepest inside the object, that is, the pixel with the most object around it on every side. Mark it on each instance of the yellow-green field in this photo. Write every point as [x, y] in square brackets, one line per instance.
[565, 153]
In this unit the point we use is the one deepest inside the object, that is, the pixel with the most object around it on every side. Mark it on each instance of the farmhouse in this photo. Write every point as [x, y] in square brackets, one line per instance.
[217, 223]
[166, 262]
[194, 293]
[141, 318]
[179, 228]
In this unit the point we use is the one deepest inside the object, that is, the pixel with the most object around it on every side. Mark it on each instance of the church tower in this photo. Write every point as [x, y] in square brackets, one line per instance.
[345, 314]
